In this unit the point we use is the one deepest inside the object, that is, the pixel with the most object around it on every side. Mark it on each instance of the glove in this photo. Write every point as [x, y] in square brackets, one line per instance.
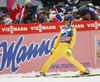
[52, 51]
[69, 52]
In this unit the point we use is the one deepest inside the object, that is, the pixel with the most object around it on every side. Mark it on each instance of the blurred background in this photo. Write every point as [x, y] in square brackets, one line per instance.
[53, 2]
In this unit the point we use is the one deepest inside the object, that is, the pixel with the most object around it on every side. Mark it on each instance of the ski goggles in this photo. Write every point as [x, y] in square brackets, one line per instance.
[67, 20]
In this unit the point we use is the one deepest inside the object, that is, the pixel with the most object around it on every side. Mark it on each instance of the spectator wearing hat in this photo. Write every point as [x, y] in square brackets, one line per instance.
[75, 11]
[82, 7]
[41, 18]
[52, 14]
[67, 7]
[76, 14]
[85, 15]
[30, 8]
[40, 8]
[45, 11]
[1, 20]
[97, 8]
[35, 21]
[8, 21]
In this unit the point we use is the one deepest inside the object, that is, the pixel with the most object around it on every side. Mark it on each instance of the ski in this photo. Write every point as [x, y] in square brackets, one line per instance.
[59, 76]
[73, 76]
[38, 76]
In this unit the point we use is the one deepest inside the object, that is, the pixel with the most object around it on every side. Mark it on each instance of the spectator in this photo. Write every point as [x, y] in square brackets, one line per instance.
[51, 15]
[35, 21]
[28, 19]
[67, 7]
[40, 7]
[1, 20]
[30, 8]
[97, 8]
[82, 7]
[3, 15]
[8, 21]
[45, 11]
[85, 14]
[41, 18]
[6, 12]
[75, 13]
[44, 15]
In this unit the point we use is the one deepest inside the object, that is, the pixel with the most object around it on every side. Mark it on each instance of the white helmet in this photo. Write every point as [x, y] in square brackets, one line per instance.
[27, 2]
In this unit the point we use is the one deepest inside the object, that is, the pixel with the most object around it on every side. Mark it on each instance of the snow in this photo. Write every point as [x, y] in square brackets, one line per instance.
[18, 77]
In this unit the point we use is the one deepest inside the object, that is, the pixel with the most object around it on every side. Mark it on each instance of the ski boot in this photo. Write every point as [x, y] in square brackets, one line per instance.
[85, 73]
[40, 75]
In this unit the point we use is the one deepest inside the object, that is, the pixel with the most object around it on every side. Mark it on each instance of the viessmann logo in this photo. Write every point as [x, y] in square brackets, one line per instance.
[13, 29]
[95, 25]
[41, 27]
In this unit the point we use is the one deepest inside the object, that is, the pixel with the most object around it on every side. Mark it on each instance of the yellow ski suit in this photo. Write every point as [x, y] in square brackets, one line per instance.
[66, 40]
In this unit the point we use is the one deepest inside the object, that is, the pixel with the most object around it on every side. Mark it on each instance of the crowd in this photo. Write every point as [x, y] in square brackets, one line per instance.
[43, 14]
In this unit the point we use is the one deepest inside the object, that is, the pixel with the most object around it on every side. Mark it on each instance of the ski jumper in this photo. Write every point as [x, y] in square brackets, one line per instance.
[66, 40]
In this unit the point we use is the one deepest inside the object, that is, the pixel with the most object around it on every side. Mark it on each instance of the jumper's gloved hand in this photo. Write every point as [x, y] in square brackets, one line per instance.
[52, 51]
[69, 52]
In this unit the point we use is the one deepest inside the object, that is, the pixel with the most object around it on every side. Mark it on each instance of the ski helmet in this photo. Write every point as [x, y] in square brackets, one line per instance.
[70, 17]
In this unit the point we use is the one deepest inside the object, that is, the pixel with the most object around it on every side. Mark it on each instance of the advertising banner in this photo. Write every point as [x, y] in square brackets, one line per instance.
[97, 50]
[80, 26]
[37, 28]
[92, 25]
[29, 52]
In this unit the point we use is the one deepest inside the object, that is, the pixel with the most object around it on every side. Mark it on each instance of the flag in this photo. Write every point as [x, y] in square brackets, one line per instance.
[60, 16]
[14, 12]
[10, 4]
[22, 15]
[14, 7]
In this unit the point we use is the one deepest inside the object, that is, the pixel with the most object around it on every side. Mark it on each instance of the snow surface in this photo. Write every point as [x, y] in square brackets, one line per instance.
[18, 77]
